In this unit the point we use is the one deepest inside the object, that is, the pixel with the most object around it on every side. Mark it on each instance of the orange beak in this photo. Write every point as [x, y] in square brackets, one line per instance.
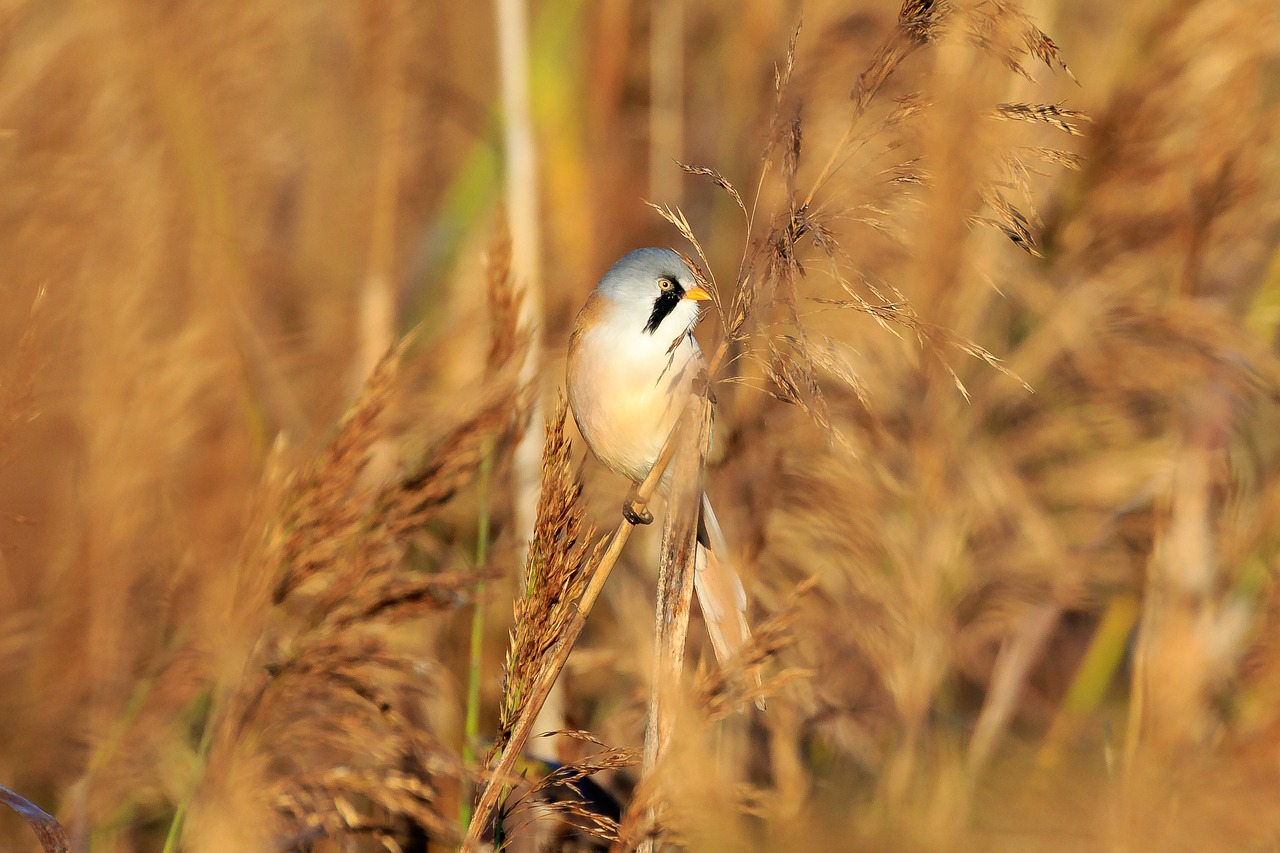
[697, 294]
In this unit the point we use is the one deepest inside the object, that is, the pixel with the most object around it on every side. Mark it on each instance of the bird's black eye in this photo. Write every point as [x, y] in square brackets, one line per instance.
[665, 284]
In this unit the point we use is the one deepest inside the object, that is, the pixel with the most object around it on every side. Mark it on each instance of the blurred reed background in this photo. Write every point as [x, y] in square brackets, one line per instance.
[1038, 619]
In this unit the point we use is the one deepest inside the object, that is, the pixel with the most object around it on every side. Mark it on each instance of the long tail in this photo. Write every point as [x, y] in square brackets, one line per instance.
[720, 592]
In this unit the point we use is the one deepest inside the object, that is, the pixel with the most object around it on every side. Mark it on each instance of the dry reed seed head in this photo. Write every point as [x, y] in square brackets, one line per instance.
[563, 555]
[365, 542]
[800, 222]
[1055, 115]
[782, 106]
[1003, 30]
[919, 23]
[336, 803]
[501, 416]
[718, 693]
[321, 505]
[1011, 221]
[791, 151]
[325, 501]
[332, 680]
[560, 791]
[793, 383]
[920, 19]
[723, 183]
[507, 338]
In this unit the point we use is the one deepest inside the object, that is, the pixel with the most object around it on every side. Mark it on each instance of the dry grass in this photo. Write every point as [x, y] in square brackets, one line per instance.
[564, 553]
[998, 398]
[345, 584]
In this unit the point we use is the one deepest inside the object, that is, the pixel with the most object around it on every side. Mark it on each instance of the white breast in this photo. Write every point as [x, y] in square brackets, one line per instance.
[627, 391]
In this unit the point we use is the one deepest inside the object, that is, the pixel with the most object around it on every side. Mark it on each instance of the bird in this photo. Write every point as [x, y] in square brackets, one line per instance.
[631, 364]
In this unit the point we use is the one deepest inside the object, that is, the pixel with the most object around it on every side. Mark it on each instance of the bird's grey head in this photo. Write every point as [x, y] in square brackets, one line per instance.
[653, 285]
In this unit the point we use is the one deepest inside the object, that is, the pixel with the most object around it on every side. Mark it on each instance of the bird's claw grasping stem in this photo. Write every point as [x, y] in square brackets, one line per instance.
[634, 509]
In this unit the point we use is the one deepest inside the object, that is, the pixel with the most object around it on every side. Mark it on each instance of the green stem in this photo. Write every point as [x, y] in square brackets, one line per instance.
[180, 814]
[471, 728]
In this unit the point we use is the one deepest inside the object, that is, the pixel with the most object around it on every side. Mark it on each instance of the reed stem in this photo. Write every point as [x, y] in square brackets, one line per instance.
[471, 728]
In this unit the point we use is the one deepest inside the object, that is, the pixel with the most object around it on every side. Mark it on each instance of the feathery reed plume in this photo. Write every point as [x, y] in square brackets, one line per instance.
[563, 555]
[719, 692]
[568, 793]
[327, 674]
[793, 362]
[764, 313]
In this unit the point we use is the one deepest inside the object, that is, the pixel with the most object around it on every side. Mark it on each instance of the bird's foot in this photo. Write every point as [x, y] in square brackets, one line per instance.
[634, 510]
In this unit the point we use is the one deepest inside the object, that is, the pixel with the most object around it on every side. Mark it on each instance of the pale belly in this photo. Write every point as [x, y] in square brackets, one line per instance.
[625, 412]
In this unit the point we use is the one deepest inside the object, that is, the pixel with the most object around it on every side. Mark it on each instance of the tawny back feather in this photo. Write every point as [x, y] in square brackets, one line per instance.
[720, 593]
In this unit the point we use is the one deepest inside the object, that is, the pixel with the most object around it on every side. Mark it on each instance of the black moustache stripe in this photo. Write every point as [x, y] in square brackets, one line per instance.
[662, 306]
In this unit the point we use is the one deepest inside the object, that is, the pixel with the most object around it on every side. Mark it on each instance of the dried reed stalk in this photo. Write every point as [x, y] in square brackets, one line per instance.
[666, 88]
[1017, 656]
[378, 292]
[675, 583]
[521, 201]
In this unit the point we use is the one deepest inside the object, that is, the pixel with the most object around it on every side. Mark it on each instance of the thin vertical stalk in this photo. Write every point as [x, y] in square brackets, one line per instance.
[471, 728]
[666, 98]
[521, 192]
[675, 589]
[377, 318]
